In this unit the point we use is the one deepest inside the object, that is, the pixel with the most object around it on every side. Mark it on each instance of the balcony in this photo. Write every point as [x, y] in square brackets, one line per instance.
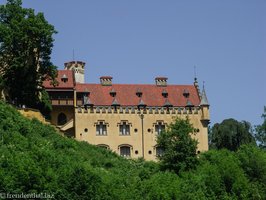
[62, 102]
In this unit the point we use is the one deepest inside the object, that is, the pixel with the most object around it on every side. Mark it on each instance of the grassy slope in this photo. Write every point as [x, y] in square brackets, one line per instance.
[34, 158]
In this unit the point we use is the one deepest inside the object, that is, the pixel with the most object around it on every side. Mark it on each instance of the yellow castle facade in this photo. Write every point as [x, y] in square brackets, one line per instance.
[125, 118]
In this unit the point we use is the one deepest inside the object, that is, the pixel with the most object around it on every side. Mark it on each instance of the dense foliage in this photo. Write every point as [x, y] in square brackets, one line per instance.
[179, 148]
[231, 134]
[25, 46]
[261, 131]
[34, 158]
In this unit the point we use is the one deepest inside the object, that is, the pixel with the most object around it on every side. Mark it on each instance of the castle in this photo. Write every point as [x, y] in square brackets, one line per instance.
[125, 118]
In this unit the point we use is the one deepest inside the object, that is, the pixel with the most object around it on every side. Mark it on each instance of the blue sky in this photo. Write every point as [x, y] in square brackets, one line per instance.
[136, 40]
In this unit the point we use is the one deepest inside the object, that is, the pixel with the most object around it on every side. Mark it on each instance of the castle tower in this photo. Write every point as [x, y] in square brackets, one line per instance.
[78, 68]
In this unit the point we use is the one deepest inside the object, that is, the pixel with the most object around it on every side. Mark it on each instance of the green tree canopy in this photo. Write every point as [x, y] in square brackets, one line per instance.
[231, 134]
[179, 148]
[261, 131]
[25, 46]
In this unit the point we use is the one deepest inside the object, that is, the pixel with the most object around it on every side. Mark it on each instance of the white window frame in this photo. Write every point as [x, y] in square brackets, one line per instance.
[159, 126]
[124, 128]
[101, 128]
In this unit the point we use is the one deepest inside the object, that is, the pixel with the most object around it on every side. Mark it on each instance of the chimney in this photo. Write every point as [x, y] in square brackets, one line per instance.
[106, 80]
[161, 81]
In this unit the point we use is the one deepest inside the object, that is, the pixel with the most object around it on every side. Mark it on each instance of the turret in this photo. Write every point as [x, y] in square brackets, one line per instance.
[78, 68]
[204, 104]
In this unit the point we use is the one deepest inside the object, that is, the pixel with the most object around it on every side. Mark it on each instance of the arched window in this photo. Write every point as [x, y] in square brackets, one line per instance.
[61, 119]
[125, 150]
[104, 146]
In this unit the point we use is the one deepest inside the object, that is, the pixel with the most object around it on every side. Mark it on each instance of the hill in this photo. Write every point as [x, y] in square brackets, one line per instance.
[36, 159]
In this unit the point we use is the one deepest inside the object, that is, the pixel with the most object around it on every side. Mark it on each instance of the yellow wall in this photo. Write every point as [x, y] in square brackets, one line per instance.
[86, 120]
[67, 110]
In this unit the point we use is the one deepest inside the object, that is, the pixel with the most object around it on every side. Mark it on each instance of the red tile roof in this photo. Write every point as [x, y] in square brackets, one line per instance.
[69, 84]
[126, 95]
[151, 94]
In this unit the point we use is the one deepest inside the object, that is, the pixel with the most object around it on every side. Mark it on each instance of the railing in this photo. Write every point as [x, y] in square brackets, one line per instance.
[67, 125]
[64, 102]
[79, 102]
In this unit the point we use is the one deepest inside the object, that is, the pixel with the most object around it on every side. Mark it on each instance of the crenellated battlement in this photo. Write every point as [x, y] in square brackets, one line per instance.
[135, 110]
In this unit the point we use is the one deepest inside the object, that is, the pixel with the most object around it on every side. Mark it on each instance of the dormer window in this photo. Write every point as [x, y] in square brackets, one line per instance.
[189, 106]
[113, 92]
[86, 100]
[164, 93]
[86, 92]
[142, 105]
[167, 104]
[186, 93]
[87, 103]
[139, 93]
[115, 104]
[64, 78]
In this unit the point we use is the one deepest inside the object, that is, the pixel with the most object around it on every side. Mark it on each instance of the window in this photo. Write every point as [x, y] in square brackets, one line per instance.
[61, 119]
[101, 129]
[159, 151]
[125, 151]
[104, 146]
[124, 129]
[159, 127]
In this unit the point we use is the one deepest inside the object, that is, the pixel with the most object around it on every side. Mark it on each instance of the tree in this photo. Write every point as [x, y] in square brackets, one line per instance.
[260, 134]
[179, 148]
[231, 134]
[25, 46]
[1, 87]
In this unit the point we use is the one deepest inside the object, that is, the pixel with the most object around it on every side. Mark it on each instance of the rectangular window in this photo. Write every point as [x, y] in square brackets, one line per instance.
[124, 129]
[101, 129]
[159, 128]
[159, 151]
